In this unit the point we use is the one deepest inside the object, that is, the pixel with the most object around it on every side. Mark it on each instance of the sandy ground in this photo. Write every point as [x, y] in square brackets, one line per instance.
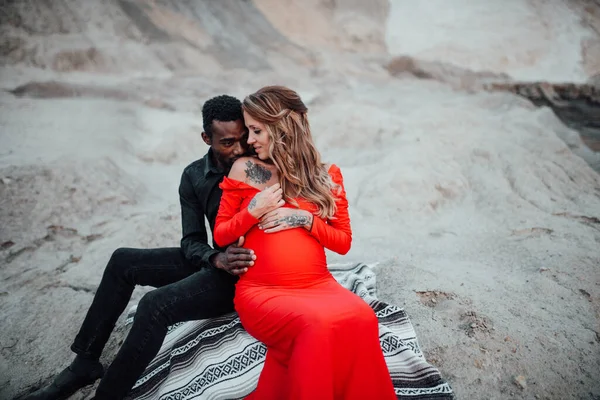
[484, 222]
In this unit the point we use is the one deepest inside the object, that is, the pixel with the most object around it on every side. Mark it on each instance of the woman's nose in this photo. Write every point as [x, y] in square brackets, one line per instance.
[251, 139]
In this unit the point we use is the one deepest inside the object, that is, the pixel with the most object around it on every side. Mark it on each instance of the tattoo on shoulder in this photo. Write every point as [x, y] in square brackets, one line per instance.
[252, 204]
[295, 220]
[257, 173]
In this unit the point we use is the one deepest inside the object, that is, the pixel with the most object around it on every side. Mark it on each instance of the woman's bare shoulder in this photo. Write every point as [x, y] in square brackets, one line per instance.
[254, 172]
[238, 167]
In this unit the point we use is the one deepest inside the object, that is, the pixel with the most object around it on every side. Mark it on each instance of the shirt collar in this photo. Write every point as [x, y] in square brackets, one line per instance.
[210, 167]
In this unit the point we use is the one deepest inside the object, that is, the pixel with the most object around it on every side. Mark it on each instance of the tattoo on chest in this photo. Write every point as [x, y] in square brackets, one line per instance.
[295, 220]
[257, 173]
[252, 204]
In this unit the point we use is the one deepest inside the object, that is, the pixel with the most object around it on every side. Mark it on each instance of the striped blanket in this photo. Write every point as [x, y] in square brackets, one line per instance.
[216, 359]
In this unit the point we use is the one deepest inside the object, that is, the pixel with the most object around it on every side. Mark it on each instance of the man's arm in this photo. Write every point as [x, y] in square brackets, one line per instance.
[194, 241]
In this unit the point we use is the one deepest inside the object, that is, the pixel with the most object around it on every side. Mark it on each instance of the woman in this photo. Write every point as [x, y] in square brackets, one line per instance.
[322, 340]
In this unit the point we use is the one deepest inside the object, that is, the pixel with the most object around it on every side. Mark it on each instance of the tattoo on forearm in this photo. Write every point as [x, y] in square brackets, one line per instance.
[257, 173]
[252, 204]
[295, 220]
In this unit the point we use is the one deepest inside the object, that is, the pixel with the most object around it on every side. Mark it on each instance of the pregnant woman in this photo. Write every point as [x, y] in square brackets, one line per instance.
[322, 340]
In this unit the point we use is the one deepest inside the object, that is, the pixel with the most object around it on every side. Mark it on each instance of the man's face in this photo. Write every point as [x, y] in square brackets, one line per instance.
[228, 142]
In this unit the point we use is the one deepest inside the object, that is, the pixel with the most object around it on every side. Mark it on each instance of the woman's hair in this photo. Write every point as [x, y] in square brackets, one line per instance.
[291, 148]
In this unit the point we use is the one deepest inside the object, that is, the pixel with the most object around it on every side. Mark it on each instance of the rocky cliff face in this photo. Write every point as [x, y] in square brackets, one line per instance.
[203, 37]
[195, 36]
[577, 105]
[150, 36]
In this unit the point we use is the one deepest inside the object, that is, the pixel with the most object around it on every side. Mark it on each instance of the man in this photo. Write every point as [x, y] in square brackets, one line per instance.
[193, 282]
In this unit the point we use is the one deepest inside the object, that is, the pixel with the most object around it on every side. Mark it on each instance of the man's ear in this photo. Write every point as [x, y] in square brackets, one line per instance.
[206, 138]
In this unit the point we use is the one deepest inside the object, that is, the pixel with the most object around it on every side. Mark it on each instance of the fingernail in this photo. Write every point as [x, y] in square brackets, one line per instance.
[254, 257]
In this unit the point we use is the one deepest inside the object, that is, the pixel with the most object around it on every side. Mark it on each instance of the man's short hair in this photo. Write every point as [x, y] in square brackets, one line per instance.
[221, 108]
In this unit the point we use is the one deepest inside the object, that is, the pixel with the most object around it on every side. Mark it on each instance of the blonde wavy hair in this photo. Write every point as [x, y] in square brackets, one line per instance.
[291, 148]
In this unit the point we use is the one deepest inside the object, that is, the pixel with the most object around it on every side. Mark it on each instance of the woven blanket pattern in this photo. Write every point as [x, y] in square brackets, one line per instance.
[217, 359]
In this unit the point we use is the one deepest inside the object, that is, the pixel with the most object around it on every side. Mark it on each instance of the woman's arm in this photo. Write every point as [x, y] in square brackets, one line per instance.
[335, 234]
[234, 221]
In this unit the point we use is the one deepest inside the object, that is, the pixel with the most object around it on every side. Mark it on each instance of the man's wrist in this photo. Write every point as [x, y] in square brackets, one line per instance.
[215, 261]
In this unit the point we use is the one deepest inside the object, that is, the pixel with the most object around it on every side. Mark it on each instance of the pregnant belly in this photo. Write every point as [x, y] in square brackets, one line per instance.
[290, 257]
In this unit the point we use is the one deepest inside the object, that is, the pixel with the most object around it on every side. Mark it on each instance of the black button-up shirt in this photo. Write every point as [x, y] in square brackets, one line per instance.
[200, 195]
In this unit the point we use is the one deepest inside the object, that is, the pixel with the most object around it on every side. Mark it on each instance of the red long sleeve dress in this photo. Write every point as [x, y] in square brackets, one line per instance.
[322, 340]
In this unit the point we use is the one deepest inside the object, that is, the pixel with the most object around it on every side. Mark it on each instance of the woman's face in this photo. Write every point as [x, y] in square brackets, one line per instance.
[258, 137]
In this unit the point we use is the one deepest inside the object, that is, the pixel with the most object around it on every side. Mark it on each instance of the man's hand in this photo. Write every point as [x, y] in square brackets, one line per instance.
[235, 259]
[281, 219]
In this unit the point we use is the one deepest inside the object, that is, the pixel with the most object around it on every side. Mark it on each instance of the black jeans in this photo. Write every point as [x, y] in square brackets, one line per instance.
[184, 293]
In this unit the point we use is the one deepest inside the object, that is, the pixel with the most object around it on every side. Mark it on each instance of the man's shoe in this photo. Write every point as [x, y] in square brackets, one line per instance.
[67, 383]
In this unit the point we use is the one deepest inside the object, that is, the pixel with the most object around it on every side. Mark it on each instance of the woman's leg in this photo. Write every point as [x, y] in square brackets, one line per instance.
[330, 335]
[311, 366]
[291, 323]
[360, 368]
[272, 383]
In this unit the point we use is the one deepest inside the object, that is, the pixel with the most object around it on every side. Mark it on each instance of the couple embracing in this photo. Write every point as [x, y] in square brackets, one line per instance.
[273, 207]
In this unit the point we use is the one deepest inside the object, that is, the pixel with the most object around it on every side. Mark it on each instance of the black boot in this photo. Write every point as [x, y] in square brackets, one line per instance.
[80, 373]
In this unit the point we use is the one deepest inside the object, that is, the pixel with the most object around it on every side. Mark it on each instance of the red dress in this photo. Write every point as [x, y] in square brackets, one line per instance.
[322, 340]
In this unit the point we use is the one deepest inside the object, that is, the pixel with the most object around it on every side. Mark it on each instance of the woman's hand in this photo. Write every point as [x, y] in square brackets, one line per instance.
[269, 199]
[285, 218]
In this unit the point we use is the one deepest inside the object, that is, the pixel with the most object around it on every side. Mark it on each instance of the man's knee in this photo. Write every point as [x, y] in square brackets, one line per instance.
[152, 305]
[121, 254]
[119, 263]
